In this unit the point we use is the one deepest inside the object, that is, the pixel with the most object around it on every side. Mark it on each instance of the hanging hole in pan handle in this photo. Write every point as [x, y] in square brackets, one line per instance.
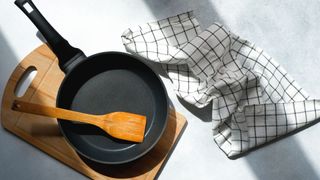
[26, 6]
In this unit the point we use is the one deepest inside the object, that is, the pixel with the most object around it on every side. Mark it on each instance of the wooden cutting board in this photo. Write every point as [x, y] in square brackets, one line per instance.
[44, 133]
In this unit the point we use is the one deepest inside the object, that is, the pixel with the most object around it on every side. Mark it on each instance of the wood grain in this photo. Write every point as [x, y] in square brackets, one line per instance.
[45, 134]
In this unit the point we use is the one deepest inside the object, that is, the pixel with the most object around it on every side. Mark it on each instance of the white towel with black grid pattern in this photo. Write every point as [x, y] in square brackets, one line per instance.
[254, 99]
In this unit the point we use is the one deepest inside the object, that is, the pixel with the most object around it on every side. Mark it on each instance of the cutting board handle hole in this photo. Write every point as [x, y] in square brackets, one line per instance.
[25, 81]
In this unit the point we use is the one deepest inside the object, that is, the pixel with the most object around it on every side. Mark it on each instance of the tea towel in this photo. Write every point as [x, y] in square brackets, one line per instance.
[254, 100]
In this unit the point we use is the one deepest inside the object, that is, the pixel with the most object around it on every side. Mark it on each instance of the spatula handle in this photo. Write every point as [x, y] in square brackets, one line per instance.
[62, 114]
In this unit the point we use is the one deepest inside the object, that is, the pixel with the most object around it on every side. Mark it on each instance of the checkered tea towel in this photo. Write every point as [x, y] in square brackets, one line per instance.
[254, 100]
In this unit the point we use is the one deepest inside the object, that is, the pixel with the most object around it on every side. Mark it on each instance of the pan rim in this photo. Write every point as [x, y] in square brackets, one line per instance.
[156, 139]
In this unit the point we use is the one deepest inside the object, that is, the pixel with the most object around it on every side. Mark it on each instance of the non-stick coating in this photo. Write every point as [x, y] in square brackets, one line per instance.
[109, 82]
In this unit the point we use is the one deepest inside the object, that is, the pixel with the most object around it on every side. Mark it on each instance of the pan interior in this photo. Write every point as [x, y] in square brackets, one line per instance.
[109, 83]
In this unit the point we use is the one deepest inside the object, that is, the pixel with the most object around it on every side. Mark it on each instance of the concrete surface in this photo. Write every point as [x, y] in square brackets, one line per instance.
[287, 30]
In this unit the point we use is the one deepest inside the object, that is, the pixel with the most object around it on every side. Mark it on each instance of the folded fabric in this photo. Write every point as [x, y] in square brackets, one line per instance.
[254, 100]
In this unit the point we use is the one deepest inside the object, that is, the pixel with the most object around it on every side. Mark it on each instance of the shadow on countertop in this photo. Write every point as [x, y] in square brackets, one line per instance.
[203, 10]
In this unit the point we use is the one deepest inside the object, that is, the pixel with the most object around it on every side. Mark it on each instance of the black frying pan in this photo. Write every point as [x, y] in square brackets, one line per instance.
[99, 84]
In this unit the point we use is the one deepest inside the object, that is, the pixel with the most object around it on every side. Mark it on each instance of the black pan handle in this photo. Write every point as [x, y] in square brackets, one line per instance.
[66, 54]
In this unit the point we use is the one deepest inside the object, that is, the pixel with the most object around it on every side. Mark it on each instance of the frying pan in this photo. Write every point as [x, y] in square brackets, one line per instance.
[99, 84]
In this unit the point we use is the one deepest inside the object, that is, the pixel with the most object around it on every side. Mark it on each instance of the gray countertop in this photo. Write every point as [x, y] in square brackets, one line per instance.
[288, 30]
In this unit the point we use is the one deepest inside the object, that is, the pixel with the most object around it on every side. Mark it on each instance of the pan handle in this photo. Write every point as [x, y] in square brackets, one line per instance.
[68, 56]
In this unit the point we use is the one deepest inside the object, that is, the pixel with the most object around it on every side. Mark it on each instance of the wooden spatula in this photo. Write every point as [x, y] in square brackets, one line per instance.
[121, 125]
